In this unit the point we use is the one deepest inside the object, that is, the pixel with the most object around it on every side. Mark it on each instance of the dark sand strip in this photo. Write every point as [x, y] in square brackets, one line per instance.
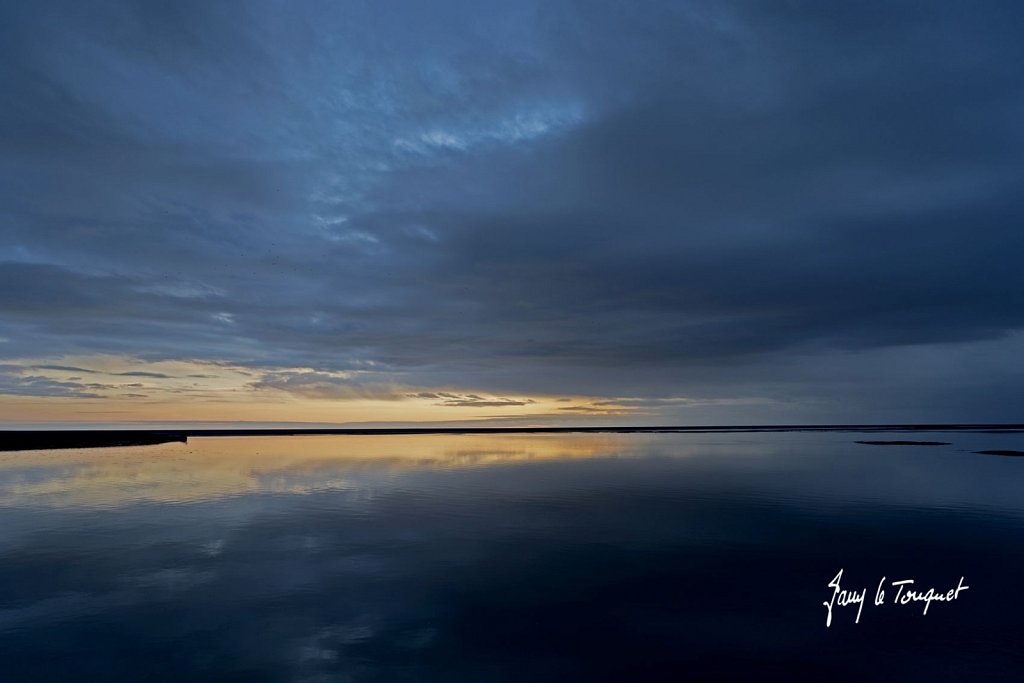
[14, 440]
[905, 443]
[32, 440]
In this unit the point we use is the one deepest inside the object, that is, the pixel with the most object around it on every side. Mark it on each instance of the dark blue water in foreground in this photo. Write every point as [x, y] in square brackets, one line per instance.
[636, 557]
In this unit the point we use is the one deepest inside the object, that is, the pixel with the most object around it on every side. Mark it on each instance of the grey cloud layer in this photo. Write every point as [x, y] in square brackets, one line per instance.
[595, 198]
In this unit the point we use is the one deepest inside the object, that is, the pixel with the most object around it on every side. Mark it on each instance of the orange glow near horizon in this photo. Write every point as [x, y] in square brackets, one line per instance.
[213, 468]
[105, 390]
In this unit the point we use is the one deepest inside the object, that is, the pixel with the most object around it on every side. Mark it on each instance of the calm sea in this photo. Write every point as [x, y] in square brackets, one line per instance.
[514, 557]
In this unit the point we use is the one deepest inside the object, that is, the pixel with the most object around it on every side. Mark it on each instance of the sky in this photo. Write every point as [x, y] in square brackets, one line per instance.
[531, 212]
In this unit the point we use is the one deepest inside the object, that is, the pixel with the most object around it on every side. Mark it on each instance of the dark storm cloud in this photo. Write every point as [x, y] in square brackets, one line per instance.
[597, 198]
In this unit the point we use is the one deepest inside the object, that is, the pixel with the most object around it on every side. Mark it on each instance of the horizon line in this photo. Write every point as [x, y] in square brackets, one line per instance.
[54, 439]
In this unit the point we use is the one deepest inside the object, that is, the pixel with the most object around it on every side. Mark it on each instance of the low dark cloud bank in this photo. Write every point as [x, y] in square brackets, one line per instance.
[815, 203]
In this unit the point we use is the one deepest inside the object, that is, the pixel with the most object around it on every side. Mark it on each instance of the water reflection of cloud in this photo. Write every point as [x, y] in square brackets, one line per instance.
[384, 558]
[825, 467]
[213, 468]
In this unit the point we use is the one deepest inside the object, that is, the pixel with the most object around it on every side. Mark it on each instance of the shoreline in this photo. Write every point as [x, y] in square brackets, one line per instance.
[20, 440]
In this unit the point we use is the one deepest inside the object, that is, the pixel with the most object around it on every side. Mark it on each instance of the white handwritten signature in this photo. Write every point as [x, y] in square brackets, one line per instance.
[906, 593]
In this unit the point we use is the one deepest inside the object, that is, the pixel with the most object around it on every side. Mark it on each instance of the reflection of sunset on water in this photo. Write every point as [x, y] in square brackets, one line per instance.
[259, 552]
[211, 468]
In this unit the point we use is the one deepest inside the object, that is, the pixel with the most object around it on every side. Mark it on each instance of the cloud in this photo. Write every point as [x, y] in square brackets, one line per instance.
[64, 368]
[322, 385]
[87, 371]
[475, 401]
[737, 202]
[349, 386]
[14, 381]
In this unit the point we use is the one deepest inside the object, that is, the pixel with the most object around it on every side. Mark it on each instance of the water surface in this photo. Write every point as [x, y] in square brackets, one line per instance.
[509, 557]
